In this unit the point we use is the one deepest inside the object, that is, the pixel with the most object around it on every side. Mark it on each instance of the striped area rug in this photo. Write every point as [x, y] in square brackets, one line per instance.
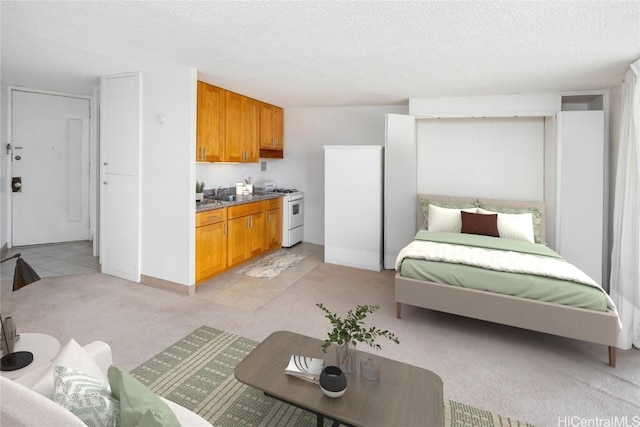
[197, 373]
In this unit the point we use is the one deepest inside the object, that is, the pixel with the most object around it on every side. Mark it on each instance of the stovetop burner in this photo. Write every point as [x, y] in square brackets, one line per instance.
[285, 190]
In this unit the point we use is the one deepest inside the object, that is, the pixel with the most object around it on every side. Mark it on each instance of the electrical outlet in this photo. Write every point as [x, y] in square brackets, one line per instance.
[263, 166]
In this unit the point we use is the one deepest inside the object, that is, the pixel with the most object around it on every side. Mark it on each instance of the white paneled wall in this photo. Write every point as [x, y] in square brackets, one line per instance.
[499, 158]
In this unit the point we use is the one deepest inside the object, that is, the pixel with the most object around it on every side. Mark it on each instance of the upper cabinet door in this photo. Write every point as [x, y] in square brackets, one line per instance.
[250, 132]
[266, 120]
[271, 127]
[278, 127]
[210, 132]
[233, 128]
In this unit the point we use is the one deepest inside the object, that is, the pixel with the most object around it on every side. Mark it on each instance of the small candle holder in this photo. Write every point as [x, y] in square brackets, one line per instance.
[370, 369]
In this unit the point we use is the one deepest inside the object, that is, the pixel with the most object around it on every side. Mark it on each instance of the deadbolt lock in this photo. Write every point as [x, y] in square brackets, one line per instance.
[16, 184]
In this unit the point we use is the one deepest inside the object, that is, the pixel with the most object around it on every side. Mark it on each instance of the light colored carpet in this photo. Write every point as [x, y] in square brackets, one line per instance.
[197, 373]
[271, 265]
[521, 374]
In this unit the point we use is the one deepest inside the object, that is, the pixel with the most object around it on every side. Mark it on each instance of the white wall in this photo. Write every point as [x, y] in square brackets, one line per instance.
[499, 158]
[168, 175]
[306, 131]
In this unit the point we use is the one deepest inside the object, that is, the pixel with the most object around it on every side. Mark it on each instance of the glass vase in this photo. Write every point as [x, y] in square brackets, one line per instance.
[346, 357]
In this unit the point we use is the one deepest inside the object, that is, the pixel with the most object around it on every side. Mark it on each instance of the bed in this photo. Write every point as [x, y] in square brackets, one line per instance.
[508, 296]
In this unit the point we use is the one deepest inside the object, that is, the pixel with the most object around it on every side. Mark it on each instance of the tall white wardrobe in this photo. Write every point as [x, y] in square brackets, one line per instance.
[581, 203]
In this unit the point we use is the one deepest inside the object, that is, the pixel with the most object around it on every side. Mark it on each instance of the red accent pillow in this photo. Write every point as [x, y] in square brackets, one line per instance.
[473, 223]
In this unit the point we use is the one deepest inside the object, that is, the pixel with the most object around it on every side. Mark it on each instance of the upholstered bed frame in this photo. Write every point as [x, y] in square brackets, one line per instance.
[571, 322]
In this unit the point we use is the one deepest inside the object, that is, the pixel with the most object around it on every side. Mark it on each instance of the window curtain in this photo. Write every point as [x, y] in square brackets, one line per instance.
[625, 256]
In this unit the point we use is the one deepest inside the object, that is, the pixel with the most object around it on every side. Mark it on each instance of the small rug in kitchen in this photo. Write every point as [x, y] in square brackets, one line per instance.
[271, 265]
[197, 373]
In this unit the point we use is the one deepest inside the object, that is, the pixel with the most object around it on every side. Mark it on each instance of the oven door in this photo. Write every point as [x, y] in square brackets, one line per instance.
[295, 213]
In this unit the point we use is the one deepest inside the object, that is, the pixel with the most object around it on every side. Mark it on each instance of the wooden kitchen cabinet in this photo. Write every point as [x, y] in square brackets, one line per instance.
[211, 243]
[242, 118]
[246, 232]
[210, 132]
[235, 128]
[273, 223]
[229, 236]
[271, 131]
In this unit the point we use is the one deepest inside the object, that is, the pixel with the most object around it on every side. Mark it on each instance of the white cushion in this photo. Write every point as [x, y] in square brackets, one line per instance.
[446, 219]
[22, 407]
[514, 226]
[86, 397]
[72, 356]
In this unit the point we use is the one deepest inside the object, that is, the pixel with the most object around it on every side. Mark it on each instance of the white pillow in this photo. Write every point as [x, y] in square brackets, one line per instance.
[446, 219]
[514, 226]
[72, 355]
[86, 397]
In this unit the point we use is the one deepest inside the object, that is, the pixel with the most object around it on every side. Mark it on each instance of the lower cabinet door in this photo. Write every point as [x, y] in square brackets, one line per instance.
[255, 241]
[238, 235]
[211, 250]
[273, 229]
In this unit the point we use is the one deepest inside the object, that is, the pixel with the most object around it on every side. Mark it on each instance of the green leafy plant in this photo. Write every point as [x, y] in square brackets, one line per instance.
[352, 330]
[199, 186]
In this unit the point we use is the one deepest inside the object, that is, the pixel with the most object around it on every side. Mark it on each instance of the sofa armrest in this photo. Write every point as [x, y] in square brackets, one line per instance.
[21, 406]
[101, 353]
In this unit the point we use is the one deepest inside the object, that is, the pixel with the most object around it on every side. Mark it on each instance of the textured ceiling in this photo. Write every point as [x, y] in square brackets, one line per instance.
[313, 54]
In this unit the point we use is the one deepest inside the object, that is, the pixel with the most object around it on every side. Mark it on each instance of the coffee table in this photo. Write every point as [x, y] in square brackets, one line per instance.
[405, 395]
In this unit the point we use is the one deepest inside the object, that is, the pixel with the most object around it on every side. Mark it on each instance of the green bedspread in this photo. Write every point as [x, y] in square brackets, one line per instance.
[515, 284]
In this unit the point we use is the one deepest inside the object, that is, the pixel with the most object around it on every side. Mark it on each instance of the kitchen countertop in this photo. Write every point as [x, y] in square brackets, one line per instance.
[208, 204]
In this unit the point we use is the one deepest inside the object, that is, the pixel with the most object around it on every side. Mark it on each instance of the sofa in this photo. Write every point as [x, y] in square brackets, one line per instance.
[29, 399]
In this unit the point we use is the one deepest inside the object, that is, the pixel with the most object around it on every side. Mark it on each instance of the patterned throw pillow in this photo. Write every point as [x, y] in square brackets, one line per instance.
[425, 202]
[86, 397]
[536, 216]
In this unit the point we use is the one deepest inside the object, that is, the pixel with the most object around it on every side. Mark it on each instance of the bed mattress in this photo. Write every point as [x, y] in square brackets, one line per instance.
[542, 288]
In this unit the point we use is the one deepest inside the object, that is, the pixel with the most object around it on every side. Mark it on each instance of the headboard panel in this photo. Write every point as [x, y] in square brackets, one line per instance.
[507, 206]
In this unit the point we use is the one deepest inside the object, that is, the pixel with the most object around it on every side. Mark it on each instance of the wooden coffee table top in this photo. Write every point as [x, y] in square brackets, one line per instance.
[405, 395]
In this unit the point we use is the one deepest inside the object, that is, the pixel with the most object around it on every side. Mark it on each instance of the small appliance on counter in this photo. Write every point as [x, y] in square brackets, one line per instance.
[292, 211]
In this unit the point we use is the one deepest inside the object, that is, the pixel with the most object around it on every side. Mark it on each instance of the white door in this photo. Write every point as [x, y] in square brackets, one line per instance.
[50, 157]
[580, 193]
[400, 187]
[120, 142]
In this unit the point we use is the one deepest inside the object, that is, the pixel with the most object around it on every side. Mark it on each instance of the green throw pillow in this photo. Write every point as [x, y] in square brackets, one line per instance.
[139, 406]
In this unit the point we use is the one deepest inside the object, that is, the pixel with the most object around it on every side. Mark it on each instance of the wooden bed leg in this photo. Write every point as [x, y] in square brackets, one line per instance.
[399, 310]
[612, 356]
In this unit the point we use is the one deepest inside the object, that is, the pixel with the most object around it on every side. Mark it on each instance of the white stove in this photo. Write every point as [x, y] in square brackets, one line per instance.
[292, 211]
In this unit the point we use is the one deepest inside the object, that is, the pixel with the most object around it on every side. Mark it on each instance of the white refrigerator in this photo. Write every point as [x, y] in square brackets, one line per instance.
[353, 205]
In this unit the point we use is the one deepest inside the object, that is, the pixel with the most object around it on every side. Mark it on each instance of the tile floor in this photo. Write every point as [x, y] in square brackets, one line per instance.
[56, 259]
[250, 293]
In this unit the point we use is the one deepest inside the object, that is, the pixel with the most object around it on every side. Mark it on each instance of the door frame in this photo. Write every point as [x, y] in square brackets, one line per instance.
[93, 159]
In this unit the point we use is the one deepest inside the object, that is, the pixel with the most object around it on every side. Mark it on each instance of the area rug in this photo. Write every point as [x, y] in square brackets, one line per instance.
[197, 373]
[271, 265]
